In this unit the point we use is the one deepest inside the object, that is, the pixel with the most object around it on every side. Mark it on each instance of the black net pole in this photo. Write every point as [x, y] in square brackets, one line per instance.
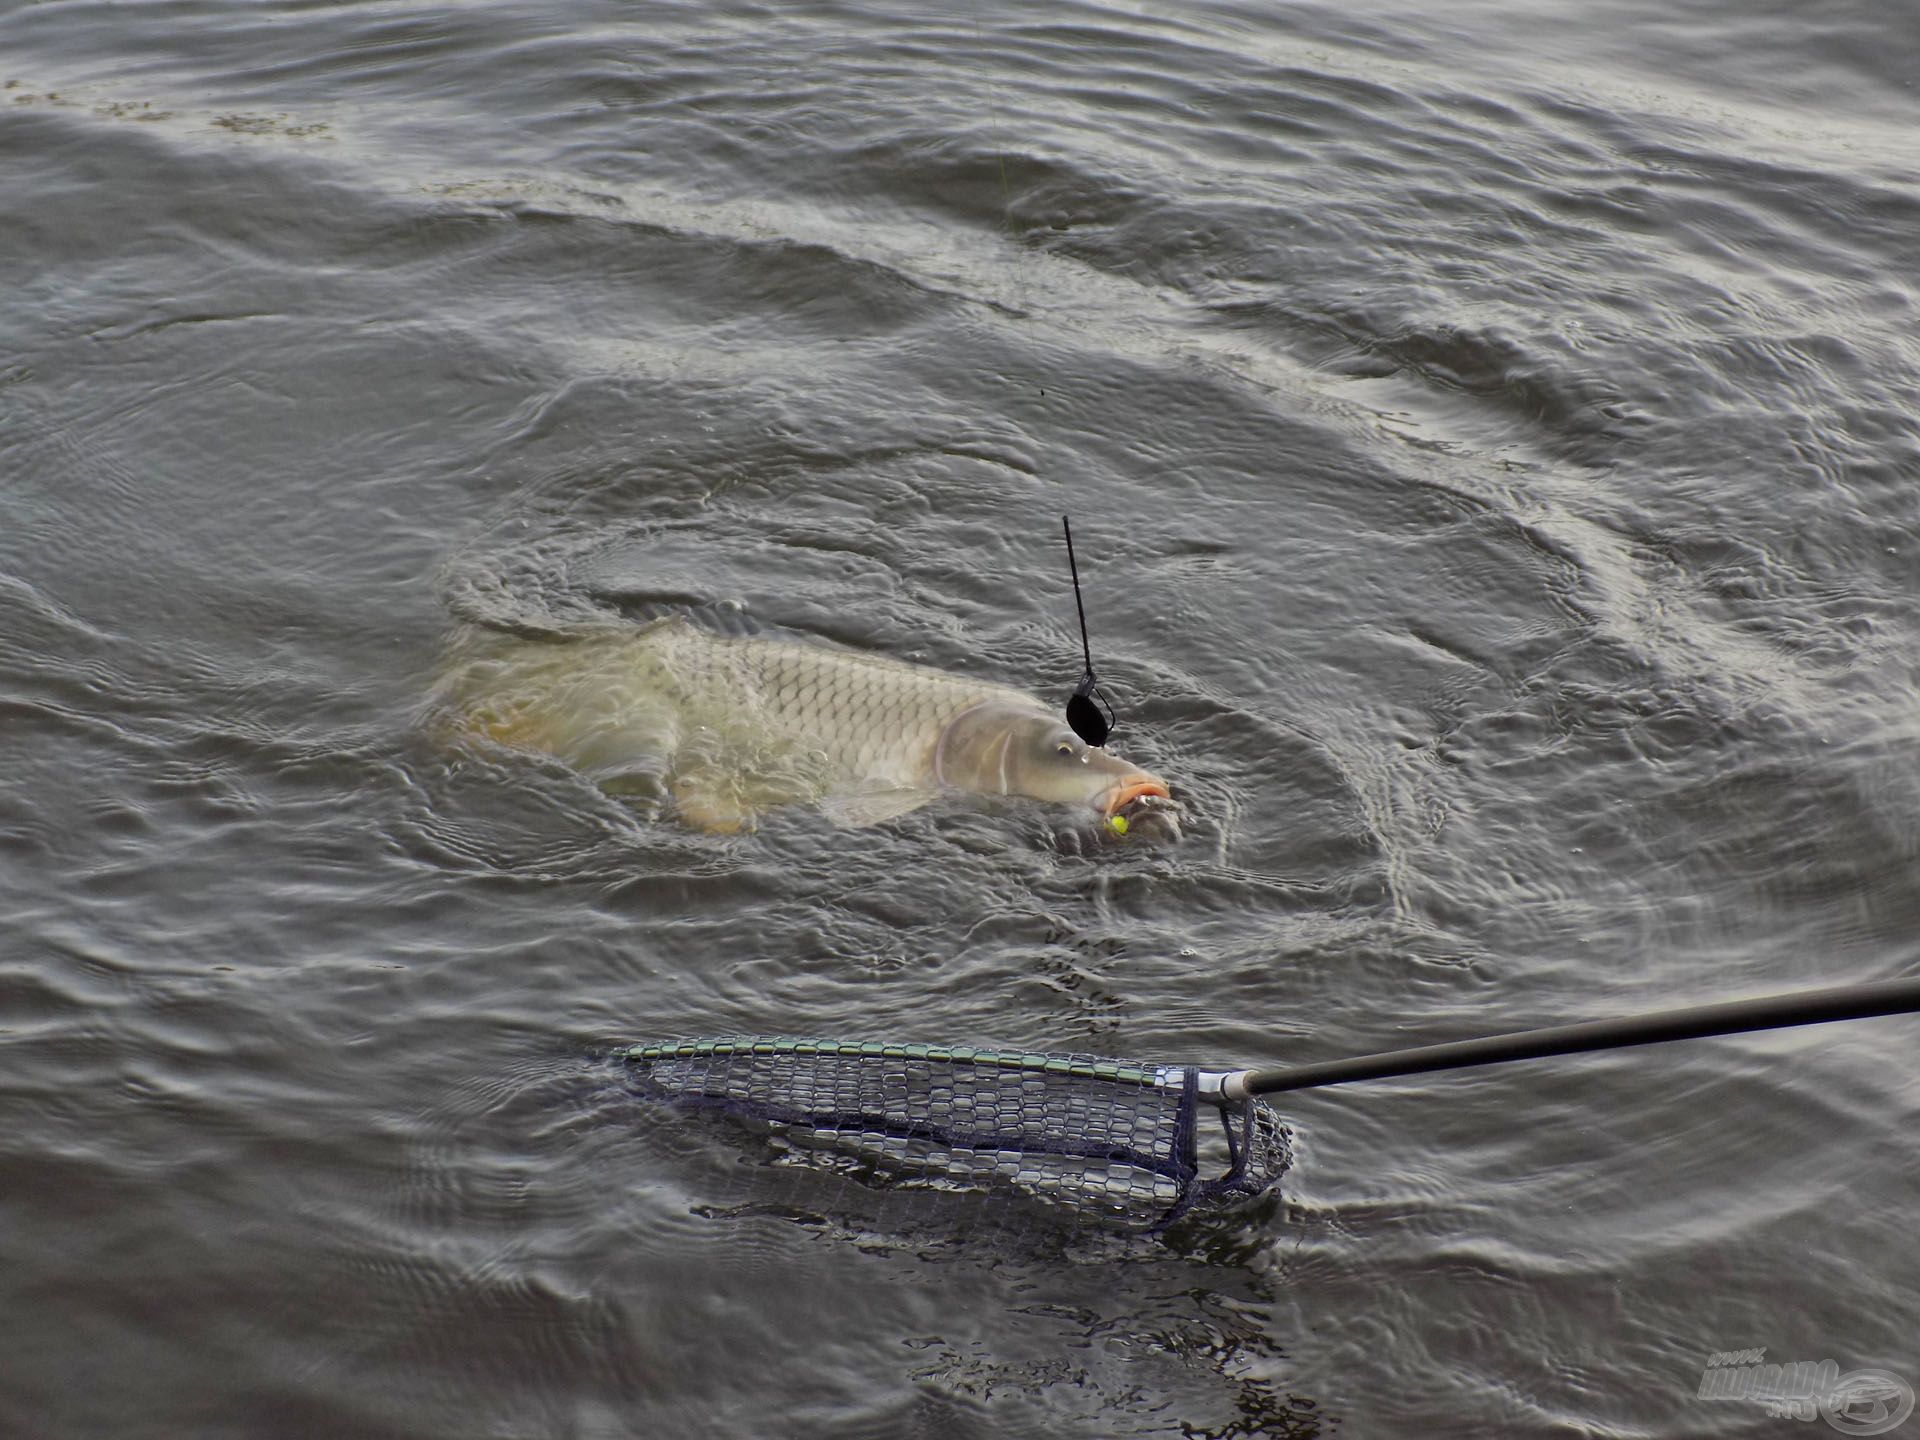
[1771, 1012]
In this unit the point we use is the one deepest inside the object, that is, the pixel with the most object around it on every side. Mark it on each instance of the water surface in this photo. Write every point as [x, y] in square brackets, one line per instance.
[1490, 435]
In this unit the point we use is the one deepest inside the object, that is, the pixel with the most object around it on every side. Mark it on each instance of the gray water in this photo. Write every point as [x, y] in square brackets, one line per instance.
[1490, 431]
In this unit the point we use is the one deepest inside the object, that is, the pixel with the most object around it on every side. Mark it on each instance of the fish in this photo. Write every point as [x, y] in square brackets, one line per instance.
[731, 727]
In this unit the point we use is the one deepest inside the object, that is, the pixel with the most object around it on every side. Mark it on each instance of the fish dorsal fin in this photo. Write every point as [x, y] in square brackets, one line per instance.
[712, 617]
[857, 812]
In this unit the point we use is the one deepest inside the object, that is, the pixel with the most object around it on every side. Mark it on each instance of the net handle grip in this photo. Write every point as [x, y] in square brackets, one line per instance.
[1767, 1012]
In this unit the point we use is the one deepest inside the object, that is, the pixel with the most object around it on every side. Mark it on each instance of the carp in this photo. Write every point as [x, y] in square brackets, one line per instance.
[731, 727]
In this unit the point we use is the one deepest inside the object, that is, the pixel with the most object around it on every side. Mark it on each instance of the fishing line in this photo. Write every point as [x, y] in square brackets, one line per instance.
[1084, 717]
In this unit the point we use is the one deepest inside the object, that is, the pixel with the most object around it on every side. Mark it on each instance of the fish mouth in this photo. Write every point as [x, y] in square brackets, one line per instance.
[1132, 788]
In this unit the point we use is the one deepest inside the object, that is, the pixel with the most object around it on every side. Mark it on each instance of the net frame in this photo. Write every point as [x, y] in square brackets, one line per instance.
[1113, 1139]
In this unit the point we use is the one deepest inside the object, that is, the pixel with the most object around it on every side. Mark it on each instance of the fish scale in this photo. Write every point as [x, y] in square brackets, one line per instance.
[871, 709]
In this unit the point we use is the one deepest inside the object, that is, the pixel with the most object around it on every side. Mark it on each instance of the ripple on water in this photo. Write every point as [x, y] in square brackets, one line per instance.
[1491, 451]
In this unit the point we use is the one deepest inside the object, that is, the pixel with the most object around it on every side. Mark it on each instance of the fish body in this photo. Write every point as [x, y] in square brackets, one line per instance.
[734, 726]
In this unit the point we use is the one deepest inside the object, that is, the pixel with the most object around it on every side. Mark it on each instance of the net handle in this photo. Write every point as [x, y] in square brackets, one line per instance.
[1767, 1012]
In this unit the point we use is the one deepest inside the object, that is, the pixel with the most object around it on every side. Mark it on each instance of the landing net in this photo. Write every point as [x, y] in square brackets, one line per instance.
[1117, 1141]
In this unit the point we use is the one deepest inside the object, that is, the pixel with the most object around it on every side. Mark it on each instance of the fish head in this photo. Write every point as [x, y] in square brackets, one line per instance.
[1004, 749]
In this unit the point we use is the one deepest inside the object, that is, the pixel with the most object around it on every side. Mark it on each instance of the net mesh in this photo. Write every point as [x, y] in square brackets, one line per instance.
[1122, 1142]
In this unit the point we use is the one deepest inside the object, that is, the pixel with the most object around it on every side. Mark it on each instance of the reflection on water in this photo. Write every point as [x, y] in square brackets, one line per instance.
[1493, 442]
